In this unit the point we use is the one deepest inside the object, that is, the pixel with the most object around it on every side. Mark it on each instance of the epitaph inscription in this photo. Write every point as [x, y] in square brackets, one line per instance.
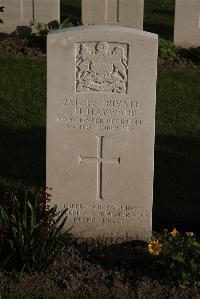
[101, 67]
[105, 213]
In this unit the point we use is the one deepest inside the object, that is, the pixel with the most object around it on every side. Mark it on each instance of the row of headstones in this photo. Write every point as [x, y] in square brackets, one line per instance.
[101, 96]
[128, 13]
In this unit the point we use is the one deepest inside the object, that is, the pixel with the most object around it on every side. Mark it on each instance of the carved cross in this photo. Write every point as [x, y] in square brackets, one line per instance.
[111, 11]
[99, 160]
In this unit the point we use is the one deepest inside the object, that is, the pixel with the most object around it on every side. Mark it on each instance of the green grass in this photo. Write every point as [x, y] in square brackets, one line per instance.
[158, 15]
[177, 154]
[70, 8]
[22, 122]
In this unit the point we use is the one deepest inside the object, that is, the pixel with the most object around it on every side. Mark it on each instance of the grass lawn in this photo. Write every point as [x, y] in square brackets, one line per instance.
[177, 155]
[158, 15]
[22, 122]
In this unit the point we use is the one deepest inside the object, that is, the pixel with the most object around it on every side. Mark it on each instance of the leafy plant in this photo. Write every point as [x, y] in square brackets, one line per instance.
[31, 233]
[167, 50]
[177, 255]
[40, 31]
[43, 29]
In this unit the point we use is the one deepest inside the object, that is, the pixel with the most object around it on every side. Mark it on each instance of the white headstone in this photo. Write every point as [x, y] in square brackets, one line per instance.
[19, 13]
[187, 23]
[128, 13]
[11, 15]
[100, 128]
[42, 10]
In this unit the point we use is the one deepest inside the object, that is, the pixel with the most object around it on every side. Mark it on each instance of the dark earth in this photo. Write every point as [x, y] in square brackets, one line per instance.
[13, 46]
[94, 269]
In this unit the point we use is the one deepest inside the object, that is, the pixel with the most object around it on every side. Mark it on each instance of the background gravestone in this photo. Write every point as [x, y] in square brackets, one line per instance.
[187, 23]
[19, 13]
[127, 13]
[11, 15]
[100, 128]
[41, 10]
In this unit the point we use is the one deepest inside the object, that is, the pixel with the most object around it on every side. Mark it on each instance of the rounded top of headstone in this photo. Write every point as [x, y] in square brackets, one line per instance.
[106, 28]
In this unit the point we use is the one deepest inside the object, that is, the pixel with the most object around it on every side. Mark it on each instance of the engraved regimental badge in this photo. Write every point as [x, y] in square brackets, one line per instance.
[101, 67]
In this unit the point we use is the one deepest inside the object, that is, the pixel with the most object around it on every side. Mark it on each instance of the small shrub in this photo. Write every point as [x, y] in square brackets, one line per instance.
[40, 31]
[30, 232]
[43, 29]
[167, 50]
[177, 256]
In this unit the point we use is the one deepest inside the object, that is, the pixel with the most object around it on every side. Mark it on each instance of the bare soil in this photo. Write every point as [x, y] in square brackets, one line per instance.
[179, 63]
[12, 46]
[96, 270]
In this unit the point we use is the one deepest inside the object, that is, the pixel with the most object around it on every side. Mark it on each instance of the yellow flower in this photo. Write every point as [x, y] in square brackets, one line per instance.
[189, 234]
[175, 233]
[154, 247]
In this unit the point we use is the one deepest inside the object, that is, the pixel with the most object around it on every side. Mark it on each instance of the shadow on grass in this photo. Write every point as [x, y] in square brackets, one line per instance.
[23, 155]
[159, 17]
[68, 9]
[177, 183]
[164, 31]
[164, 12]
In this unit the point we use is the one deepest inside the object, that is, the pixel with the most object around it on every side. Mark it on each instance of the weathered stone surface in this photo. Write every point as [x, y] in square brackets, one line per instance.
[19, 13]
[127, 13]
[187, 23]
[46, 10]
[11, 16]
[100, 128]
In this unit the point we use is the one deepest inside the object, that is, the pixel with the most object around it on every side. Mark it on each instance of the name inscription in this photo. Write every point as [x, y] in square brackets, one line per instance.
[105, 115]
